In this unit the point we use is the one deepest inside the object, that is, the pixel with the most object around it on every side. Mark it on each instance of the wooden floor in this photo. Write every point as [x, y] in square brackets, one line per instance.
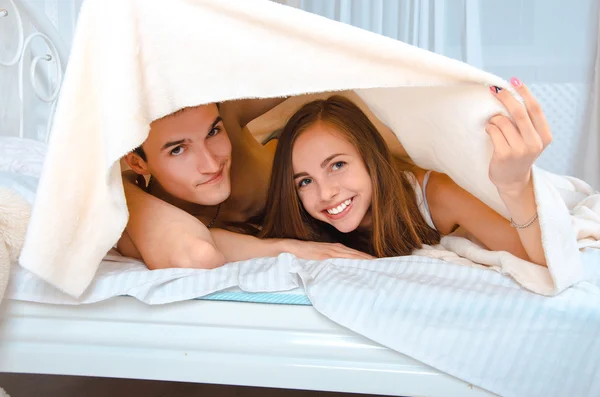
[25, 385]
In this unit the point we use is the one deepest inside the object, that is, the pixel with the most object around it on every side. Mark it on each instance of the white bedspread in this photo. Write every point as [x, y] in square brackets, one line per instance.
[470, 322]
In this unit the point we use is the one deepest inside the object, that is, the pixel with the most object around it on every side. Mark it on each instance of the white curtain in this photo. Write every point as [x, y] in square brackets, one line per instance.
[425, 23]
[545, 43]
[589, 167]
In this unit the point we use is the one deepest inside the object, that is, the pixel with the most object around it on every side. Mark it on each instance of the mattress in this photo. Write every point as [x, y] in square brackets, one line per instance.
[293, 297]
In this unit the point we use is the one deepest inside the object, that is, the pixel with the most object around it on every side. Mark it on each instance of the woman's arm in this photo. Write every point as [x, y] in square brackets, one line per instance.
[237, 247]
[451, 205]
[523, 208]
[517, 144]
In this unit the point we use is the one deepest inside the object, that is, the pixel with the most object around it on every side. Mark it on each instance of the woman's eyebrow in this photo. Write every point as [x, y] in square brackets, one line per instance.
[328, 159]
[298, 175]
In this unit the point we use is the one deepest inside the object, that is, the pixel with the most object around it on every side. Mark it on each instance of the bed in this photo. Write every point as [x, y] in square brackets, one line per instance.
[207, 341]
[229, 337]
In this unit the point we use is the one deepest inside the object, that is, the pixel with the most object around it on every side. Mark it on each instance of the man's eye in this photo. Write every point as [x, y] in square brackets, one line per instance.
[304, 182]
[214, 131]
[176, 151]
[337, 165]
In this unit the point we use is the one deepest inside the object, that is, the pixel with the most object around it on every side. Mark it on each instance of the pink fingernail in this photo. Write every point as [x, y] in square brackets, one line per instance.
[516, 82]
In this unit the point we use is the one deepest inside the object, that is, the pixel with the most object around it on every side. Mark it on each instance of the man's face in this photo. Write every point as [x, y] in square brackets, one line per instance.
[189, 155]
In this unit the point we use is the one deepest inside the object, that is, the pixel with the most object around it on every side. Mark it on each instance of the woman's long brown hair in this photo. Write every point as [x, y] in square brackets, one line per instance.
[398, 227]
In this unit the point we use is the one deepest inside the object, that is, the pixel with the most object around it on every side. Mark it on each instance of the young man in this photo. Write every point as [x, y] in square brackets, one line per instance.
[207, 172]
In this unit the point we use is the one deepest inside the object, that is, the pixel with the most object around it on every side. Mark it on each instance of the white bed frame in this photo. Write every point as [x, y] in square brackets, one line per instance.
[197, 341]
[230, 343]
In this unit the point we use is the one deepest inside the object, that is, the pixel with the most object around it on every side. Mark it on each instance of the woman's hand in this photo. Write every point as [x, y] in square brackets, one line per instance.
[517, 142]
[321, 251]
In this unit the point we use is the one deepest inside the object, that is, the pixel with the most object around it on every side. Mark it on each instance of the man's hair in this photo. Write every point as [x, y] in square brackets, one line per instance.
[140, 150]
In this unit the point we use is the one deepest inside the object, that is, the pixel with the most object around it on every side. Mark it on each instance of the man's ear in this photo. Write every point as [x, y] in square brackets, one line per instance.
[137, 164]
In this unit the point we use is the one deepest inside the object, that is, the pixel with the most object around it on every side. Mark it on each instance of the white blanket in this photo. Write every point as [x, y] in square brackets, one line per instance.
[469, 322]
[157, 57]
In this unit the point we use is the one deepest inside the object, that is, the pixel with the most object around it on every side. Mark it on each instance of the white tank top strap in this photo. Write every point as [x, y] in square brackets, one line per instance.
[425, 181]
[421, 194]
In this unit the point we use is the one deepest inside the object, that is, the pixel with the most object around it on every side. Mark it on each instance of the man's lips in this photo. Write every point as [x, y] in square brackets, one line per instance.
[215, 178]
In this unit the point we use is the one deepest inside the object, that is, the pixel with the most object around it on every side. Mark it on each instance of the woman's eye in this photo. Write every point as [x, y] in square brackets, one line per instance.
[176, 151]
[214, 131]
[337, 165]
[304, 182]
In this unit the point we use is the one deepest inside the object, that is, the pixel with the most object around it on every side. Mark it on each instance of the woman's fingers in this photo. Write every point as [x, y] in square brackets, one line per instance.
[351, 253]
[322, 251]
[530, 142]
[508, 130]
[519, 114]
[501, 146]
[534, 110]
[517, 142]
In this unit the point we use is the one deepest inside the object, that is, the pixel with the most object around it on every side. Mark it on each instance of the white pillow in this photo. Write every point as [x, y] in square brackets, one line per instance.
[22, 156]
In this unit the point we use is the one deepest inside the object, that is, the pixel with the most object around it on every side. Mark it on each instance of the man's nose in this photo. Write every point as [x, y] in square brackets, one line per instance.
[207, 162]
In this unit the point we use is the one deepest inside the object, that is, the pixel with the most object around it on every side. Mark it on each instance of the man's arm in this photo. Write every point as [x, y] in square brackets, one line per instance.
[164, 236]
[249, 109]
[183, 241]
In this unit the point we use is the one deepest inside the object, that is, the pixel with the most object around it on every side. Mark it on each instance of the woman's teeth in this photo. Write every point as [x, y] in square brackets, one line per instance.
[339, 208]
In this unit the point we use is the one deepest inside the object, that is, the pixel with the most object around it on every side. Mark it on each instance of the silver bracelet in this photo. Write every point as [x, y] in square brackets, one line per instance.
[525, 225]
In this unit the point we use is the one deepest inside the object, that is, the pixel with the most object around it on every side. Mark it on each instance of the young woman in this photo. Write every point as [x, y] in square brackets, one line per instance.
[334, 179]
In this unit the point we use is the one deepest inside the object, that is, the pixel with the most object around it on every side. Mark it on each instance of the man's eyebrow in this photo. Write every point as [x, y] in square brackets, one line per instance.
[173, 143]
[180, 141]
[214, 124]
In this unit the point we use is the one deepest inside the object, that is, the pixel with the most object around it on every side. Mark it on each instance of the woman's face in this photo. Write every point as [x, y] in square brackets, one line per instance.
[331, 178]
